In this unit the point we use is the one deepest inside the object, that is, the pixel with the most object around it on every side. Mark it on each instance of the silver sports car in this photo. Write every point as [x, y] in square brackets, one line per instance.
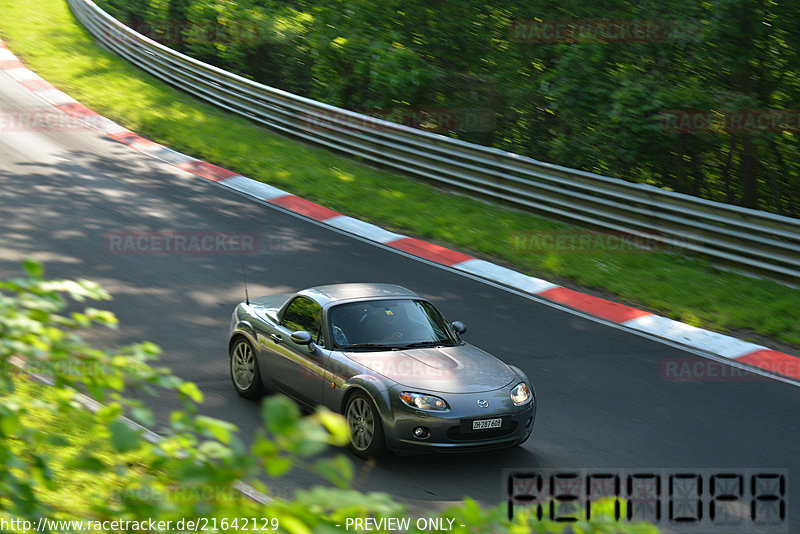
[385, 358]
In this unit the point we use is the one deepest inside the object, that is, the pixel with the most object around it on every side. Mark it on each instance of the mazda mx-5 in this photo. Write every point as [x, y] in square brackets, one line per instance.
[387, 360]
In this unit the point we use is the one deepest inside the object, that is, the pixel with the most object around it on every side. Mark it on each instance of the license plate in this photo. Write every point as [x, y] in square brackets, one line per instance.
[484, 424]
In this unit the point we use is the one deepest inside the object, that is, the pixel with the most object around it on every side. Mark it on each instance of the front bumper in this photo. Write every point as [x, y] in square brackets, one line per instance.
[445, 431]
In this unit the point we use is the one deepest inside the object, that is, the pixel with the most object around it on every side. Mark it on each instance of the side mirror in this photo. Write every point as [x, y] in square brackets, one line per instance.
[301, 337]
[459, 327]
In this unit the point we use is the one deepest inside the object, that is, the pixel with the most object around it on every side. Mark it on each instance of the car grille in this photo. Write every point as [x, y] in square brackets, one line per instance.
[454, 433]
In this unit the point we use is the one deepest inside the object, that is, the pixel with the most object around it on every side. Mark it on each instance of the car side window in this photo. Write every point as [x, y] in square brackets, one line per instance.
[303, 314]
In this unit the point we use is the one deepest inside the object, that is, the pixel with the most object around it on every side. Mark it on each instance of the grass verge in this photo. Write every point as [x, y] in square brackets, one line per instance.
[50, 41]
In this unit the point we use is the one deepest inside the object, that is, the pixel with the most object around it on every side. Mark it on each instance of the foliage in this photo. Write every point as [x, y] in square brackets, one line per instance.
[196, 464]
[51, 445]
[599, 104]
[47, 37]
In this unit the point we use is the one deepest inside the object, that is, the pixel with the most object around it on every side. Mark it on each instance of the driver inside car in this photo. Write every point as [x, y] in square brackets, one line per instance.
[387, 324]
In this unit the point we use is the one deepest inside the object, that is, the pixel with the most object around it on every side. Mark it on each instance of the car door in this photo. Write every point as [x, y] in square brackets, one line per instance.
[299, 370]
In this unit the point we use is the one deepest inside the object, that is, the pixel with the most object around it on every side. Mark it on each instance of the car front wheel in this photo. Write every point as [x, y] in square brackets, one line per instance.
[364, 423]
[244, 370]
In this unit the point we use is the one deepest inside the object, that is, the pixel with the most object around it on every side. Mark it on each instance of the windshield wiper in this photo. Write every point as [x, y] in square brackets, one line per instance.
[423, 344]
[365, 346]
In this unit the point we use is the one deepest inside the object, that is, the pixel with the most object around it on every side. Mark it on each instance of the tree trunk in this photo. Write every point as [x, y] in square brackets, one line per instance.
[750, 172]
[726, 171]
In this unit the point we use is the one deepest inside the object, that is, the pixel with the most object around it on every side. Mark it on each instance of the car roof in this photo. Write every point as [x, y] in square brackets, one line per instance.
[340, 292]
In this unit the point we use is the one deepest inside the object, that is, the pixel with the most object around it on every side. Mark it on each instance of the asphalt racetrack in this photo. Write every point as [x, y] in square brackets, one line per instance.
[604, 399]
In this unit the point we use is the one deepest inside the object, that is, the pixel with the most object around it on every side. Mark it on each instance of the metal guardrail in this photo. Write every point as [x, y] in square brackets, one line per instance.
[750, 239]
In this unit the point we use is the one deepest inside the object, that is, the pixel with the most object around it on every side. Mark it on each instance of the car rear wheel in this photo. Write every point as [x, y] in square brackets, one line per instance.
[364, 423]
[244, 370]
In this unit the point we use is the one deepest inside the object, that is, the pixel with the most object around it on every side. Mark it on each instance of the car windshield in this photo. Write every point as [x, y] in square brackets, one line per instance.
[393, 323]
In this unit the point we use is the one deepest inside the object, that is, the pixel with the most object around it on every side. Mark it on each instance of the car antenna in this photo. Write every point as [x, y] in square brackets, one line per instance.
[246, 296]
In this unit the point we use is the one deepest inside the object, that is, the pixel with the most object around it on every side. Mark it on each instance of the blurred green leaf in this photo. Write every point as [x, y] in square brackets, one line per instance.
[338, 470]
[335, 424]
[277, 466]
[33, 268]
[123, 437]
[280, 414]
[87, 462]
[190, 390]
[221, 430]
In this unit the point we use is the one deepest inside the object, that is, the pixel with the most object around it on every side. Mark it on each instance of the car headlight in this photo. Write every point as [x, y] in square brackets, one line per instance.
[423, 402]
[520, 394]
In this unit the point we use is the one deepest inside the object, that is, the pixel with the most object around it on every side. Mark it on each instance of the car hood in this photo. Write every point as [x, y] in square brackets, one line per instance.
[459, 369]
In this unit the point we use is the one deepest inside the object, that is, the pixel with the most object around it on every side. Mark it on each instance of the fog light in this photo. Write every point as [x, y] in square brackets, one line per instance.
[421, 432]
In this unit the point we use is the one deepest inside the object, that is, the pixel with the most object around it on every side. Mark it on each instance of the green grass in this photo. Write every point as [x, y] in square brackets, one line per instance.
[49, 40]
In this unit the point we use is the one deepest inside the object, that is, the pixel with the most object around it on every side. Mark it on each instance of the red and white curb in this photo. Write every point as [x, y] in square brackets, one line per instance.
[713, 343]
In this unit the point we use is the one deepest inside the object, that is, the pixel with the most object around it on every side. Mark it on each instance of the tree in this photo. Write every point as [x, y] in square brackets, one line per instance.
[476, 70]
